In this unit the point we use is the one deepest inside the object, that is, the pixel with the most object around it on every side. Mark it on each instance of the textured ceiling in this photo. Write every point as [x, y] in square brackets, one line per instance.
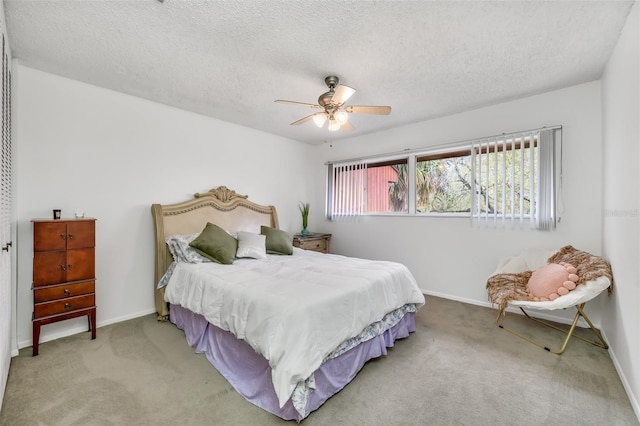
[232, 59]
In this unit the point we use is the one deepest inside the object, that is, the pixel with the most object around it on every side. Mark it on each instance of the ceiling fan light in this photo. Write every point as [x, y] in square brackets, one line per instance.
[341, 116]
[334, 124]
[320, 118]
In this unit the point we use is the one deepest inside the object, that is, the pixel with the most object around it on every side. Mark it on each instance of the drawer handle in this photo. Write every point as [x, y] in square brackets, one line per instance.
[71, 236]
[63, 236]
[63, 267]
[67, 306]
[66, 292]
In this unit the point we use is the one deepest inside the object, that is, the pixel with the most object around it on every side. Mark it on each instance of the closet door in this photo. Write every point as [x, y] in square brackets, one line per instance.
[6, 172]
[6, 220]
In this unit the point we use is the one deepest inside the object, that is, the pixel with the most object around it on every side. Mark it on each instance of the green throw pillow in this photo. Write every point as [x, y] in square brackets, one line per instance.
[277, 241]
[216, 244]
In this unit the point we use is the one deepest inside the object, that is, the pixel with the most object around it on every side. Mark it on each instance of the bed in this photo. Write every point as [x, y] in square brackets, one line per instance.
[286, 331]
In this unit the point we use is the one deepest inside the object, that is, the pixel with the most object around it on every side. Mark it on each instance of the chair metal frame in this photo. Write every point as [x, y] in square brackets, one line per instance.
[569, 333]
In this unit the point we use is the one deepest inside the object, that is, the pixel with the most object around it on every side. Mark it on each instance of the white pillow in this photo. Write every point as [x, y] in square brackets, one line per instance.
[251, 245]
[529, 260]
[511, 265]
[537, 257]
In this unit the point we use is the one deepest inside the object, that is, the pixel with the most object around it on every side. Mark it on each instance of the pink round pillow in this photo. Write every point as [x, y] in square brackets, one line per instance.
[551, 281]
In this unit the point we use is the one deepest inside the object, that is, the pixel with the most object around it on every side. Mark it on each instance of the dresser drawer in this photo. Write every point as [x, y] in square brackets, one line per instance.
[49, 267]
[315, 245]
[53, 267]
[49, 236]
[48, 294]
[81, 234]
[62, 306]
[81, 264]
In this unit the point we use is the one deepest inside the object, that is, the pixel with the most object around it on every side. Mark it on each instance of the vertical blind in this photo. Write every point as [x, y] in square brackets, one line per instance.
[514, 180]
[347, 188]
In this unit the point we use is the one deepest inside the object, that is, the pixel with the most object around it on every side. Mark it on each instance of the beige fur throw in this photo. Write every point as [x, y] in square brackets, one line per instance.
[589, 266]
[503, 288]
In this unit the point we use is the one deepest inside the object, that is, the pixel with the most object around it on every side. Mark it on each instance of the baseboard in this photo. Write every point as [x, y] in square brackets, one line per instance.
[534, 313]
[81, 329]
[625, 383]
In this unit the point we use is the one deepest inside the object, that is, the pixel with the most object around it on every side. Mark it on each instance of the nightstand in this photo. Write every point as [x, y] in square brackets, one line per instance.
[312, 241]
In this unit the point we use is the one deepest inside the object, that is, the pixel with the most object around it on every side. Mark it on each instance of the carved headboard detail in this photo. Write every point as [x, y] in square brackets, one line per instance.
[222, 193]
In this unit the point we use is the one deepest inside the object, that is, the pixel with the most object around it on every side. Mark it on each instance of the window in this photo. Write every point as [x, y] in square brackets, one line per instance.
[387, 187]
[374, 188]
[515, 179]
[509, 178]
[443, 182]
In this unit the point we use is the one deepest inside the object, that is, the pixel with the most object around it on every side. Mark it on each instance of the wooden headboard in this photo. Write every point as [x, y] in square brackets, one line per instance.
[221, 206]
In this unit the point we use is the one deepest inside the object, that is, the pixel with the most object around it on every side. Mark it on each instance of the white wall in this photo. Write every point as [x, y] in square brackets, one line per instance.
[112, 155]
[447, 256]
[621, 139]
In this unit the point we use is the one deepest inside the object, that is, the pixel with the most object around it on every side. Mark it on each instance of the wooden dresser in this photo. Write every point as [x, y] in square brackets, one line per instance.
[63, 273]
[312, 241]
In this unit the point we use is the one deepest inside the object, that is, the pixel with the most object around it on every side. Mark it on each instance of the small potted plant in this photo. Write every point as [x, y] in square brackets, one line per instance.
[304, 210]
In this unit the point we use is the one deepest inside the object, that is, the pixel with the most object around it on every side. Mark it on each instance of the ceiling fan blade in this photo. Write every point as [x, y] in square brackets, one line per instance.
[369, 109]
[303, 120]
[342, 94]
[298, 103]
[347, 127]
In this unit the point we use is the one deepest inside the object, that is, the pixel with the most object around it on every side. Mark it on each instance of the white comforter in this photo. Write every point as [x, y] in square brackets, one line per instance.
[293, 310]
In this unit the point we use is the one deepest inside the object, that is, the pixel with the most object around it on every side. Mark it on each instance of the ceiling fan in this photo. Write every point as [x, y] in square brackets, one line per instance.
[334, 110]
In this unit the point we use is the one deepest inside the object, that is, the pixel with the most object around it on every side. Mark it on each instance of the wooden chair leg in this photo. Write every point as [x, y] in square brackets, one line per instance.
[92, 323]
[36, 337]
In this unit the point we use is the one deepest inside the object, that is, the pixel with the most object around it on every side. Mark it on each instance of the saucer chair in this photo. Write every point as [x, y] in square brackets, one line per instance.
[507, 287]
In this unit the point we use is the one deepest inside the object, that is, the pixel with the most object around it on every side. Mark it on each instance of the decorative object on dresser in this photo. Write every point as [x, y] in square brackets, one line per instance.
[304, 210]
[312, 241]
[63, 273]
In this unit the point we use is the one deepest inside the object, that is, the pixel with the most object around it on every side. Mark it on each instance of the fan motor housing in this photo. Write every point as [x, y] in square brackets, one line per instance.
[325, 99]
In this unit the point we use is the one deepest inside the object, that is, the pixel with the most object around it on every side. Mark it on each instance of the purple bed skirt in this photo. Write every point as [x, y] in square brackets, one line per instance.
[249, 372]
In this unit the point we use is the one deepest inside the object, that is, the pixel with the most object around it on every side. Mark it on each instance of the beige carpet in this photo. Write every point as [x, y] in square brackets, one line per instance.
[458, 368]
